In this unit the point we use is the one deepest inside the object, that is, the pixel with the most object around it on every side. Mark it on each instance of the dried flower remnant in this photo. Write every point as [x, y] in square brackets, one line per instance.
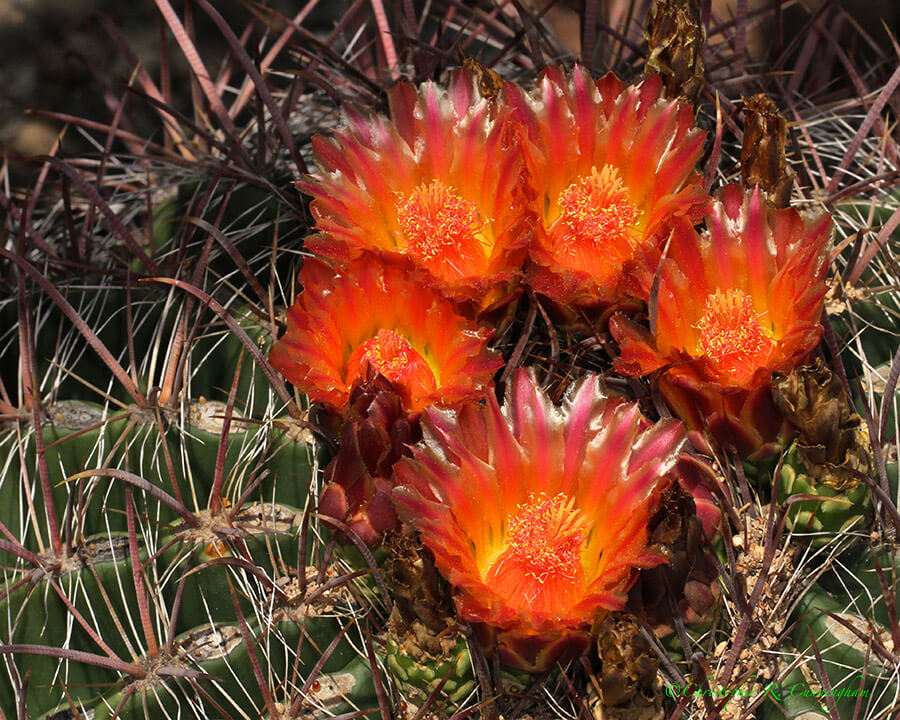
[489, 82]
[832, 436]
[372, 316]
[424, 647]
[830, 455]
[537, 514]
[629, 681]
[609, 166]
[763, 160]
[675, 41]
[735, 304]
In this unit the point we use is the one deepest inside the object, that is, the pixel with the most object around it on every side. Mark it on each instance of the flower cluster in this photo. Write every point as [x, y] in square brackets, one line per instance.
[584, 192]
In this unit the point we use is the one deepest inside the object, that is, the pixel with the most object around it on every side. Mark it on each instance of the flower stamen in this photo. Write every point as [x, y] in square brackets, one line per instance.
[597, 213]
[541, 559]
[390, 354]
[731, 335]
[438, 223]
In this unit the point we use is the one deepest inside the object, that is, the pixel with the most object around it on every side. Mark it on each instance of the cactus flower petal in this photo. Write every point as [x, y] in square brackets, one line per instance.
[372, 316]
[536, 513]
[735, 304]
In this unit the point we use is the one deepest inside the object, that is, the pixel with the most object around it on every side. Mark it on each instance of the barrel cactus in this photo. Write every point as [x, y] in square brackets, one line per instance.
[435, 361]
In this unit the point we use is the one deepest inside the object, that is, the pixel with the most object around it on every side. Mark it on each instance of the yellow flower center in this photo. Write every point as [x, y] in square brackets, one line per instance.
[540, 566]
[731, 336]
[391, 355]
[440, 226]
[597, 213]
[389, 352]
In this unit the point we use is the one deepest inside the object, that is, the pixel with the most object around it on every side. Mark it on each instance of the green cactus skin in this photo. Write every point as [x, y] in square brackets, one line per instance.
[284, 449]
[69, 448]
[215, 355]
[797, 705]
[78, 437]
[856, 576]
[73, 444]
[339, 689]
[41, 618]
[417, 680]
[34, 614]
[844, 653]
[850, 509]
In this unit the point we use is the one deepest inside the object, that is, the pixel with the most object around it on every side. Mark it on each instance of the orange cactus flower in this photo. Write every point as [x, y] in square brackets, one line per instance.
[369, 316]
[609, 166]
[735, 304]
[437, 185]
[537, 514]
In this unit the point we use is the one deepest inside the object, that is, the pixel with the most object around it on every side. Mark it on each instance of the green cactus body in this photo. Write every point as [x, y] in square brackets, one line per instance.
[840, 511]
[206, 593]
[72, 443]
[288, 644]
[267, 537]
[215, 355]
[856, 576]
[78, 437]
[291, 461]
[220, 653]
[789, 699]
[165, 211]
[61, 353]
[34, 614]
[348, 690]
[417, 679]
[854, 666]
[283, 450]
[194, 446]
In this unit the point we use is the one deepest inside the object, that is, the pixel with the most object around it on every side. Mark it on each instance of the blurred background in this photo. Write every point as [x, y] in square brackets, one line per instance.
[59, 55]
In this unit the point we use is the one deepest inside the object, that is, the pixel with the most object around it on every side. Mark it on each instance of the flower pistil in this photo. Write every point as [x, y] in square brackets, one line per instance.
[730, 334]
[439, 223]
[541, 557]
